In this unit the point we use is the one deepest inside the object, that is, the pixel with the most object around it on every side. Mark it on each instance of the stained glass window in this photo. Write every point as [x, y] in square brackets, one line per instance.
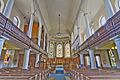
[59, 51]
[67, 50]
[51, 51]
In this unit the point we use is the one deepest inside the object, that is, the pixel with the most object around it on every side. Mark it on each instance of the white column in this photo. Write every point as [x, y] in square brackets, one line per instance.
[37, 60]
[26, 59]
[92, 59]
[27, 51]
[81, 60]
[30, 26]
[117, 42]
[109, 8]
[40, 30]
[81, 40]
[8, 8]
[47, 44]
[87, 25]
[12, 58]
[2, 40]
[44, 39]
[2, 6]
[6, 12]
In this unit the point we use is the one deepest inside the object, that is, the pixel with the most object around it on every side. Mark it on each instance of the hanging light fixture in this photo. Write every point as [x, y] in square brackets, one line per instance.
[59, 33]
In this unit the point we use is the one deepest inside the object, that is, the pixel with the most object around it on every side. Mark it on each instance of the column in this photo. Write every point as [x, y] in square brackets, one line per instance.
[2, 6]
[39, 39]
[47, 45]
[26, 59]
[40, 30]
[92, 59]
[117, 42]
[27, 51]
[81, 39]
[2, 40]
[109, 8]
[81, 60]
[37, 60]
[12, 58]
[8, 8]
[6, 12]
[44, 39]
[29, 34]
[89, 33]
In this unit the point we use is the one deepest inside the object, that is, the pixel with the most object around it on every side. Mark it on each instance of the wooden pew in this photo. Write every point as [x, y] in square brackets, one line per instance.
[95, 75]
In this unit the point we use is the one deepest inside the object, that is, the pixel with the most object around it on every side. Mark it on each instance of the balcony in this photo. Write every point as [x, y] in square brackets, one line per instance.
[105, 33]
[15, 36]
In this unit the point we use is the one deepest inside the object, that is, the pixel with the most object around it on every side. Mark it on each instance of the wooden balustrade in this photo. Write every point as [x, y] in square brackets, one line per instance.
[16, 36]
[106, 32]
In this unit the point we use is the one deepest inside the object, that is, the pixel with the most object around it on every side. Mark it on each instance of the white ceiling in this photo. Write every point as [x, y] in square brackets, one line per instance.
[68, 9]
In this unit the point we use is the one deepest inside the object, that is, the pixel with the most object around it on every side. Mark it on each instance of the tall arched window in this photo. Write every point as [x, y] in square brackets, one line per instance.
[16, 21]
[117, 5]
[85, 37]
[59, 50]
[102, 21]
[1, 5]
[92, 30]
[72, 38]
[51, 50]
[67, 50]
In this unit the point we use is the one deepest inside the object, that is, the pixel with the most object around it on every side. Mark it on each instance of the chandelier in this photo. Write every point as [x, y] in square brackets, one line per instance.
[59, 34]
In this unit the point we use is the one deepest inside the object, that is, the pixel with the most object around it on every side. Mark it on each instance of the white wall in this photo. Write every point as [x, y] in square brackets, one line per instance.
[16, 12]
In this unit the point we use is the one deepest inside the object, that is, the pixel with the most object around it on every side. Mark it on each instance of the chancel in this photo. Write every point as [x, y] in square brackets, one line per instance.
[59, 39]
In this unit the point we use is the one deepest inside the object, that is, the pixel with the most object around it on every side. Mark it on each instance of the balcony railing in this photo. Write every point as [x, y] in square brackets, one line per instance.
[15, 35]
[103, 34]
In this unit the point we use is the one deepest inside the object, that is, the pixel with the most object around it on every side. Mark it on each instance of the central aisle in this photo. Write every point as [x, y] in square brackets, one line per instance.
[59, 74]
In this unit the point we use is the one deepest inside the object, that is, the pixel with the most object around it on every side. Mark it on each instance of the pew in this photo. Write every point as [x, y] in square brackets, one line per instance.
[102, 74]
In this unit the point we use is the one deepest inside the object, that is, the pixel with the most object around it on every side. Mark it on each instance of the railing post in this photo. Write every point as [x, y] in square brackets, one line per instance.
[40, 76]
[82, 77]
[36, 77]
[78, 77]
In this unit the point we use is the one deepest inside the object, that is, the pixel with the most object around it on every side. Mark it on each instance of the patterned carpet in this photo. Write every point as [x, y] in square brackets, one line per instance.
[59, 74]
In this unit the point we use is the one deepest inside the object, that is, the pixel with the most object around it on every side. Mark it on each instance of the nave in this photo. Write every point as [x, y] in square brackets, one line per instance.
[59, 39]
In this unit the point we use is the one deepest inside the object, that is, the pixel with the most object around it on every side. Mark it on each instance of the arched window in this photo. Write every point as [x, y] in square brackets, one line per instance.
[16, 21]
[92, 30]
[51, 50]
[117, 5]
[1, 5]
[85, 37]
[72, 38]
[102, 21]
[59, 50]
[67, 50]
